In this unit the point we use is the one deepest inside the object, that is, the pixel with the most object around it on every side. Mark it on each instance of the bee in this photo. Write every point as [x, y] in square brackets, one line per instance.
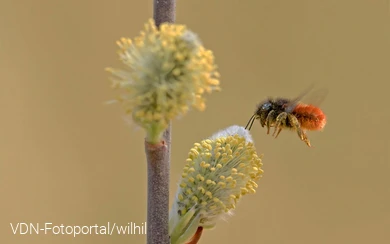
[291, 114]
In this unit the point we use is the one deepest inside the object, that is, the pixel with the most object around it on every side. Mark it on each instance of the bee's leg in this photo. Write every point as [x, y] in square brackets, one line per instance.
[281, 119]
[280, 129]
[268, 120]
[301, 133]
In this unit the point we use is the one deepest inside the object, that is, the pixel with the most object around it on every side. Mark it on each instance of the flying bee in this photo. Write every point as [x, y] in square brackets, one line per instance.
[291, 114]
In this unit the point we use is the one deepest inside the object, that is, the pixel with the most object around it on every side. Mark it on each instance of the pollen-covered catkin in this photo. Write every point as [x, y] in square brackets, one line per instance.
[219, 171]
[168, 71]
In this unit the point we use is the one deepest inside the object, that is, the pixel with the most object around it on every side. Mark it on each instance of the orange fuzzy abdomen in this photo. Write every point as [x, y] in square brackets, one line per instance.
[310, 117]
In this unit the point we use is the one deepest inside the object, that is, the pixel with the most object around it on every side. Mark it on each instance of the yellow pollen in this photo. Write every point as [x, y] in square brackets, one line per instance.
[217, 155]
[200, 90]
[201, 189]
[212, 207]
[179, 57]
[202, 164]
[204, 144]
[222, 184]
[244, 191]
[208, 141]
[176, 72]
[194, 152]
[183, 185]
[253, 183]
[214, 82]
[210, 182]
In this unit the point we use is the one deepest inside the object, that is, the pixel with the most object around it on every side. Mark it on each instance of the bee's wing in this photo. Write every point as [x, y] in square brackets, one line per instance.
[308, 96]
[303, 94]
[316, 97]
[293, 102]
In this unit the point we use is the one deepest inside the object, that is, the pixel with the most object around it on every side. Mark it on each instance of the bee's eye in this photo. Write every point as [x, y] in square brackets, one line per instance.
[266, 106]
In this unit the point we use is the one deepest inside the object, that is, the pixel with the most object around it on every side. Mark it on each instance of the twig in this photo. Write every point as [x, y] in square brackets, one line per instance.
[164, 11]
[158, 160]
[197, 236]
[158, 157]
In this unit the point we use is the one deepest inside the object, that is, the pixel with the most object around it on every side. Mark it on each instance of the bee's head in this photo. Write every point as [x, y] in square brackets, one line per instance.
[263, 110]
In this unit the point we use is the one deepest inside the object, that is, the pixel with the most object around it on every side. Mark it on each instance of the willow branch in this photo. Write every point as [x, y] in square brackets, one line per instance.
[158, 157]
[164, 11]
[158, 160]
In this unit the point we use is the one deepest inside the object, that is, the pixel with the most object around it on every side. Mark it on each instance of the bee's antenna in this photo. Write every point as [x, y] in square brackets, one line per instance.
[250, 122]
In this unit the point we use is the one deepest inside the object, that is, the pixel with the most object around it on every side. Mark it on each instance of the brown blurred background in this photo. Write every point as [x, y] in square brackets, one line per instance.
[68, 159]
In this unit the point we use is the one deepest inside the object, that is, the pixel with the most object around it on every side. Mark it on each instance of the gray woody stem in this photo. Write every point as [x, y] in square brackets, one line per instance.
[158, 157]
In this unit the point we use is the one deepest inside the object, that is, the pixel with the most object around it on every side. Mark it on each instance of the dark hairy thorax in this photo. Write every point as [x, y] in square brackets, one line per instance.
[278, 106]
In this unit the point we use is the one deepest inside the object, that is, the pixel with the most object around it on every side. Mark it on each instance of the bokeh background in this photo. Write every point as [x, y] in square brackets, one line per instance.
[67, 158]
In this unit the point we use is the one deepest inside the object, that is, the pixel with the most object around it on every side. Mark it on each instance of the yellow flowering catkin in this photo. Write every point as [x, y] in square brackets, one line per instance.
[219, 171]
[168, 71]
